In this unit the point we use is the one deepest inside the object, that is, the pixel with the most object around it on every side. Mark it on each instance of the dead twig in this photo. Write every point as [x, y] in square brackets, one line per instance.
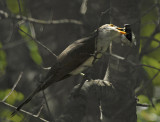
[14, 86]
[26, 112]
[51, 116]
[39, 112]
[38, 42]
[5, 15]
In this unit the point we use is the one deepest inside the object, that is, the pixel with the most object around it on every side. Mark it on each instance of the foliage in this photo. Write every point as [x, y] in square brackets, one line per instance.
[4, 113]
[151, 58]
[3, 62]
[32, 46]
[13, 6]
[15, 96]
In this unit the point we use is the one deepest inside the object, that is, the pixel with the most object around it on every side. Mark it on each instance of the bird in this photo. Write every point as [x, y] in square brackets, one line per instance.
[77, 57]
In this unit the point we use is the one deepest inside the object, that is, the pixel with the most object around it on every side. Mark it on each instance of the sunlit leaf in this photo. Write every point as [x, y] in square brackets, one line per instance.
[147, 30]
[151, 72]
[15, 96]
[32, 46]
[5, 116]
[157, 36]
[143, 99]
[149, 117]
[14, 7]
[156, 110]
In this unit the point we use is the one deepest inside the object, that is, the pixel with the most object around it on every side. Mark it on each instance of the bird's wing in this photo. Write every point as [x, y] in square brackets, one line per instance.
[77, 52]
[72, 57]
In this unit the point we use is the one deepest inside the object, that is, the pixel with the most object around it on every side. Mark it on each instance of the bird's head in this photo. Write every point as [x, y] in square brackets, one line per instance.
[110, 31]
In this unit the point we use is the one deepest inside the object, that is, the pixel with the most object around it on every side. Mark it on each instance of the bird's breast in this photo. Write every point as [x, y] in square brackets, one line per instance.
[102, 44]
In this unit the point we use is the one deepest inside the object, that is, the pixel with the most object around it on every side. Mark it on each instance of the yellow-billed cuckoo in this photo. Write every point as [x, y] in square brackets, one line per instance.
[78, 56]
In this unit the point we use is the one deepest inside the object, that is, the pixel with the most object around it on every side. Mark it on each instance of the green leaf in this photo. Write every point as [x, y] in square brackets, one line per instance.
[157, 36]
[147, 30]
[31, 44]
[157, 110]
[143, 99]
[5, 115]
[149, 117]
[15, 96]
[151, 72]
[3, 62]
[14, 7]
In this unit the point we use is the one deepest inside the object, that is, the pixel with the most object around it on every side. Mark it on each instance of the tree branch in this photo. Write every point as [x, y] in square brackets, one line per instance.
[5, 15]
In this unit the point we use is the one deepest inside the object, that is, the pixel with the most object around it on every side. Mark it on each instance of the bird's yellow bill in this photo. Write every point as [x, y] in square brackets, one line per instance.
[122, 32]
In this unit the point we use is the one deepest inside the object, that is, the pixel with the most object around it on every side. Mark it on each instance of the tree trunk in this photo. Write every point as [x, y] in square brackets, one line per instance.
[122, 74]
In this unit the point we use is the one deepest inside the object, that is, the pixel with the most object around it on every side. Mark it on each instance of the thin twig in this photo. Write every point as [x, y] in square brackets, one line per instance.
[158, 10]
[38, 42]
[149, 66]
[147, 82]
[5, 15]
[132, 63]
[145, 13]
[156, 40]
[46, 68]
[151, 50]
[143, 105]
[14, 86]
[101, 15]
[83, 8]
[51, 116]
[13, 44]
[101, 111]
[26, 112]
[39, 112]
[19, 6]
[148, 42]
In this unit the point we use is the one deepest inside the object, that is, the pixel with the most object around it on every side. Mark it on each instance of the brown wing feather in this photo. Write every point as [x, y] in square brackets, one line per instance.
[72, 57]
[77, 52]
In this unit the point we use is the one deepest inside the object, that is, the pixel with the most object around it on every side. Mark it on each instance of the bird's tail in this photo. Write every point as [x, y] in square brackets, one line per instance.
[29, 98]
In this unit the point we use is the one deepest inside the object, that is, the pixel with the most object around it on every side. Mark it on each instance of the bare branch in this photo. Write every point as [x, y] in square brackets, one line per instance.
[38, 42]
[143, 105]
[5, 15]
[149, 66]
[151, 50]
[19, 6]
[51, 116]
[42, 106]
[26, 112]
[14, 86]
[46, 68]
[145, 13]
[83, 8]
[132, 63]
[149, 40]
[147, 82]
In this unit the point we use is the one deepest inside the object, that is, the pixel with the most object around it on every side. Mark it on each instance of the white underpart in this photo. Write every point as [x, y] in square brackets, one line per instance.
[103, 42]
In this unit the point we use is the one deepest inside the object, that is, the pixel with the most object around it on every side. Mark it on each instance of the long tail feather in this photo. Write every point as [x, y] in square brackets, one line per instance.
[29, 98]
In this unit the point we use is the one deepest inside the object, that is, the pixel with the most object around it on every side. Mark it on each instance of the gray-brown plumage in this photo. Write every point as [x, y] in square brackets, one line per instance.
[78, 56]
